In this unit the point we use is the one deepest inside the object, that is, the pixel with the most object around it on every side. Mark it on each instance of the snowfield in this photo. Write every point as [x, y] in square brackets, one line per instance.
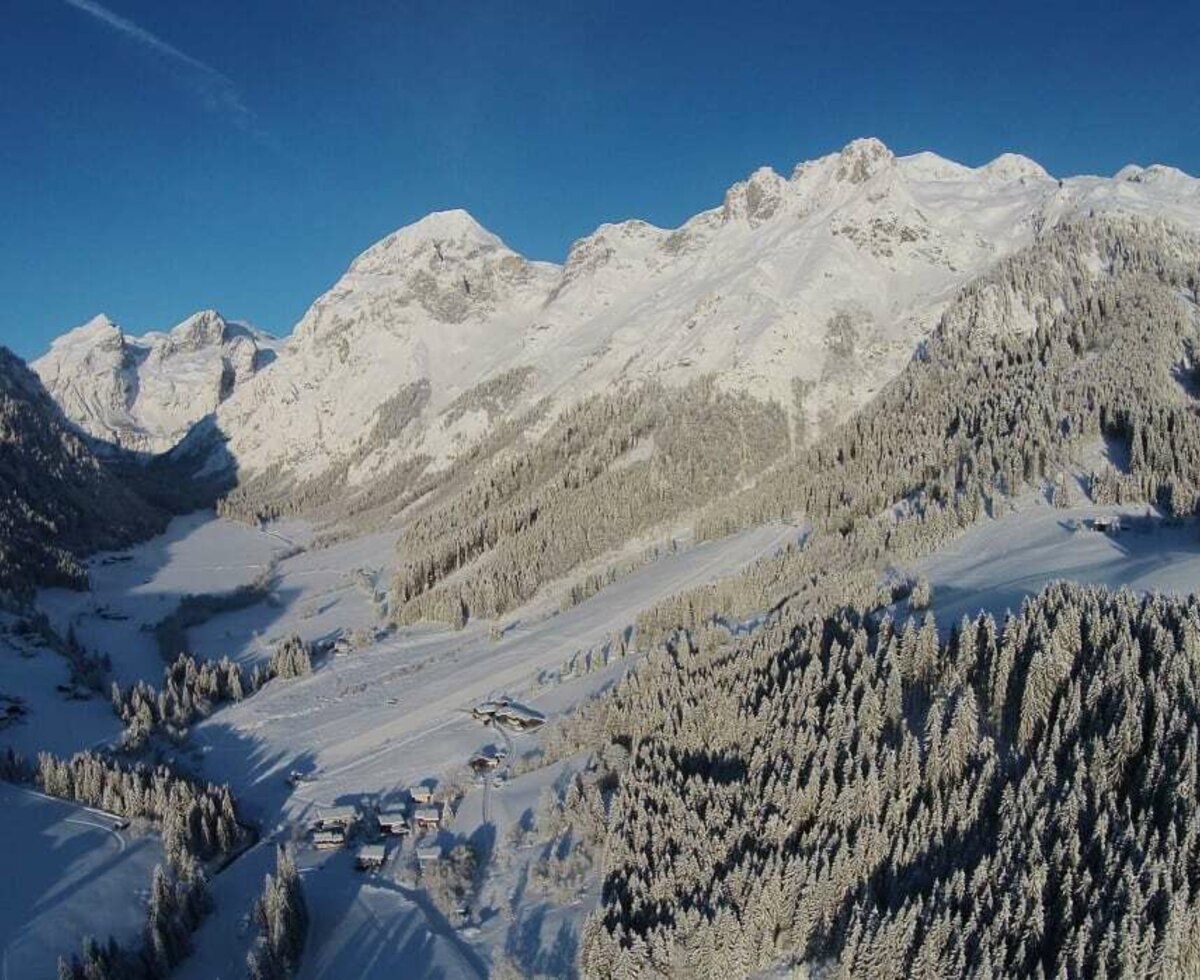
[369, 724]
[314, 594]
[137, 588]
[68, 874]
[52, 720]
[996, 564]
[375, 720]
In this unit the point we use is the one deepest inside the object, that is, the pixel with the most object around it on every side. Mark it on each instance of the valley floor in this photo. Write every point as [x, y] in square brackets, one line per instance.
[363, 728]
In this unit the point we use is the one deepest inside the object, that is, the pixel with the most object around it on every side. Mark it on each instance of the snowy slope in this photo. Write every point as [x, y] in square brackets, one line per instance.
[144, 393]
[828, 277]
[72, 875]
[56, 499]
[999, 563]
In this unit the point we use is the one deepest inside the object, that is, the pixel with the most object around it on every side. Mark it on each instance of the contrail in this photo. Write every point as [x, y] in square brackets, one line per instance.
[217, 90]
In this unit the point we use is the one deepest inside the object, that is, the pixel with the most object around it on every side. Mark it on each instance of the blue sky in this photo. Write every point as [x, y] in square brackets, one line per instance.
[159, 157]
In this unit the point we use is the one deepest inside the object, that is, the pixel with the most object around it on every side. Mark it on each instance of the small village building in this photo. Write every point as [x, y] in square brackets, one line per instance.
[519, 719]
[484, 763]
[427, 818]
[370, 857]
[1106, 525]
[504, 711]
[426, 855]
[486, 710]
[393, 822]
[338, 816]
[325, 840]
[421, 795]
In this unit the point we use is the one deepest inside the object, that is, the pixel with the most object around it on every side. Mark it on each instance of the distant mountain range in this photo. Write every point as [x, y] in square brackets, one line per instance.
[440, 346]
[144, 393]
[811, 290]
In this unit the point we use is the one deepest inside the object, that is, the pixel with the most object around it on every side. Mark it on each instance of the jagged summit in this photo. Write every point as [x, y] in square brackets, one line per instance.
[862, 158]
[859, 242]
[756, 199]
[98, 329]
[143, 393]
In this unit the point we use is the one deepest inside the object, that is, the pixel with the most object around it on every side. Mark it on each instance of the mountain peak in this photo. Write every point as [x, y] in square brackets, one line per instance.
[204, 328]
[1155, 173]
[98, 331]
[440, 236]
[929, 166]
[1013, 166]
[861, 159]
[755, 199]
[454, 225]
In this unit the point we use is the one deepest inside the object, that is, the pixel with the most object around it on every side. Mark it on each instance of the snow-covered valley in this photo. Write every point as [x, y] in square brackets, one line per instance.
[475, 492]
[394, 713]
[363, 728]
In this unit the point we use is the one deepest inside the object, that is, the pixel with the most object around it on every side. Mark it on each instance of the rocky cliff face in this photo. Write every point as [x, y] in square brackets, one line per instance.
[144, 393]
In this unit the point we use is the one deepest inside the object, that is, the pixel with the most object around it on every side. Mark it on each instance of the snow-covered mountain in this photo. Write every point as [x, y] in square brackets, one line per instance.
[144, 393]
[811, 290]
[821, 282]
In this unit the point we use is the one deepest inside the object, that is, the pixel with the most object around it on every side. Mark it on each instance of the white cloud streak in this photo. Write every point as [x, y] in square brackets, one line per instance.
[215, 89]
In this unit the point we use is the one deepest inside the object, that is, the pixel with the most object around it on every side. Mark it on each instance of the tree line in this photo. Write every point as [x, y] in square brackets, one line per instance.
[193, 688]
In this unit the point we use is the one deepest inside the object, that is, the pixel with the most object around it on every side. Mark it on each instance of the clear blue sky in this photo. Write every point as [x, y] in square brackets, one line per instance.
[157, 156]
